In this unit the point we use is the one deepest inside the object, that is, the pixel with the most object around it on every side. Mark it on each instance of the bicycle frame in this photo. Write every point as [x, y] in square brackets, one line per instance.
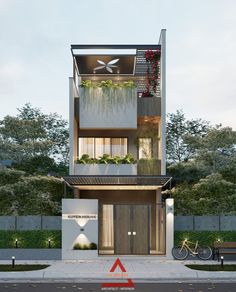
[186, 244]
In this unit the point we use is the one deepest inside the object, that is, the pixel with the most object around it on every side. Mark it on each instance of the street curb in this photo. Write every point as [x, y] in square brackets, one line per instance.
[102, 280]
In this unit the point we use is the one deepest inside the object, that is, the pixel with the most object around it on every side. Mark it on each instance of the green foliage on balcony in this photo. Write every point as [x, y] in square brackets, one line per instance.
[149, 166]
[107, 84]
[106, 159]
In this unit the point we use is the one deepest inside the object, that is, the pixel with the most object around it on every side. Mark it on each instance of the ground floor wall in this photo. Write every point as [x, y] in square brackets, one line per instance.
[118, 222]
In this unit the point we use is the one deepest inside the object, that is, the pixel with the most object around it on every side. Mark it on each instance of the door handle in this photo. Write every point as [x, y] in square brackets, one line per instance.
[129, 233]
[134, 232]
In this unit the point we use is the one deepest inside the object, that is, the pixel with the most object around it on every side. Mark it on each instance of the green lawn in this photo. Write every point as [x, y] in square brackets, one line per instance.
[22, 268]
[213, 268]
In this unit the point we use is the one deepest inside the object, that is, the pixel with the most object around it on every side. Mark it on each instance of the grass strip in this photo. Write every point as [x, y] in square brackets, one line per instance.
[22, 268]
[213, 268]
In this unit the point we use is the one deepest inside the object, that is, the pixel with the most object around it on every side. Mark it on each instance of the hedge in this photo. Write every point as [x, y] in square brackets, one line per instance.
[39, 238]
[204, 237]
[30, 239]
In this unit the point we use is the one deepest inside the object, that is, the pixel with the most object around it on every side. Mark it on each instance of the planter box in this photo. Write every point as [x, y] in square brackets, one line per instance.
[149, 106]
[105, 169]
[79, 254]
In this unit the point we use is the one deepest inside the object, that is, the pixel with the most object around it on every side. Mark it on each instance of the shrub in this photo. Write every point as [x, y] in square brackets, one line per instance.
[204, 237]
[90, 246]
[30, 238]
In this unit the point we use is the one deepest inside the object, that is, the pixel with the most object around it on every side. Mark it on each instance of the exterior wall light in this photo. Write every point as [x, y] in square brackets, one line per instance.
[13, 262]
[16, 243]
[222, 262]
[81, 229]
[170, 205]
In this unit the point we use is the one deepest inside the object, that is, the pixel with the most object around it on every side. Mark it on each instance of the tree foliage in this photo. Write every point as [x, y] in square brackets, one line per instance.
[36, 142]
[21, 194]
[210, 196]
[179, 132]
[202, 162]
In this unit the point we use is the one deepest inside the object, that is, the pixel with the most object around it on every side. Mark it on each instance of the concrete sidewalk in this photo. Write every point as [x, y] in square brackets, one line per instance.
[137, 269]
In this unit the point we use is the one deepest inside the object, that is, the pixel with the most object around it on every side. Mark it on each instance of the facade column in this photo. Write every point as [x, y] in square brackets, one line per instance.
[169, 227]
[76, 193]
[162, 42]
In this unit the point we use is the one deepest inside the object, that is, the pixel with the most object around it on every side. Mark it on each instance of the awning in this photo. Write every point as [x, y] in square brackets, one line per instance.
[117, 180]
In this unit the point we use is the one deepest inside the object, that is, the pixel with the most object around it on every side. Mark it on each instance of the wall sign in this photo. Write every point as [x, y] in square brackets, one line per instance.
[80, 216]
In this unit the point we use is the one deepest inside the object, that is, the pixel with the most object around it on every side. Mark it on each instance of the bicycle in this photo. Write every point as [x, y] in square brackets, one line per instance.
[181, 253]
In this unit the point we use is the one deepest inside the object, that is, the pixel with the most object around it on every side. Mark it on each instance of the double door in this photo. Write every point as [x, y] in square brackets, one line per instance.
[131, 229]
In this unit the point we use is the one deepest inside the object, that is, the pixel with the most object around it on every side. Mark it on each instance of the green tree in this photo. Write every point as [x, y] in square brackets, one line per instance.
[178, 134]
[217, 149]
[21, 194]
[33, 137]
[210, 196]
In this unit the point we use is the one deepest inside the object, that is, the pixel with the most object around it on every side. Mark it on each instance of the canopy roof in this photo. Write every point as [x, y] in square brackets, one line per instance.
[118, 180]
[110, 59]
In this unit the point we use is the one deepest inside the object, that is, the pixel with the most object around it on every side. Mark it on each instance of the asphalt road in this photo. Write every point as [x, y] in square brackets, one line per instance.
[157, 287]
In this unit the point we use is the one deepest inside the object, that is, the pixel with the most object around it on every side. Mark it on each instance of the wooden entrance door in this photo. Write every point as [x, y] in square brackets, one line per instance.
[131, 229]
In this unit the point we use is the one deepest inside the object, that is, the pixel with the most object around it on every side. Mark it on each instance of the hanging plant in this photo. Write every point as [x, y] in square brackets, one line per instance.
[152, 58]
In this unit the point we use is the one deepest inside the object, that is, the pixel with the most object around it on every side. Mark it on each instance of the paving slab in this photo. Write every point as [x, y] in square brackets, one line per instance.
[144, 270]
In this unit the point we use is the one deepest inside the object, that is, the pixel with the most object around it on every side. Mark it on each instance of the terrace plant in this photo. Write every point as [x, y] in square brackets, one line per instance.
[107, 84]
[152, 59]
[86, 159]
[106, 159]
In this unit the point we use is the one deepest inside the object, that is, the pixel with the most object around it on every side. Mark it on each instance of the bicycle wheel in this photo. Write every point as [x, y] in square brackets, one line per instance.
[204, 253]
[180, 253]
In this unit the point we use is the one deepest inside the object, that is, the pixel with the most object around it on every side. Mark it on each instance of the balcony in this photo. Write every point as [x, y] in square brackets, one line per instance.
[105, 169]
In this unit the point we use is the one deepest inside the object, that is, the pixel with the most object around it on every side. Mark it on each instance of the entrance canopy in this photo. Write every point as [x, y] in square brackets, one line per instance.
[126, 182]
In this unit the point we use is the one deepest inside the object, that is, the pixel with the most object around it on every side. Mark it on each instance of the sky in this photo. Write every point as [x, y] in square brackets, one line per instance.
[35, 57]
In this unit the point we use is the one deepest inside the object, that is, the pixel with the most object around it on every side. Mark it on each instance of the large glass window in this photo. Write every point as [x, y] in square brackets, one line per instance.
[96, 147]
[107, 232]
[145, 148]
[86, 146]
[119, 147]
[102, 146]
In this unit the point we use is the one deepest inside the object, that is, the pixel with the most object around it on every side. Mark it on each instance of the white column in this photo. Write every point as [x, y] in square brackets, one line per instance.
[162, 42]
[71, 126]
[169, 227]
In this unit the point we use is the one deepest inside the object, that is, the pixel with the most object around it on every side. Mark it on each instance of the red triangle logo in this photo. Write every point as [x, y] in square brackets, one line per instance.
[119, 264]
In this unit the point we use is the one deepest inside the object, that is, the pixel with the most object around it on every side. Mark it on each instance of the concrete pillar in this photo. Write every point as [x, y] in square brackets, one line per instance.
[169, 227]
[162, 42]
[76, 193]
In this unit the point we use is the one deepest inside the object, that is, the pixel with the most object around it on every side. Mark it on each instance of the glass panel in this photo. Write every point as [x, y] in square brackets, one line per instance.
[102, 146]
[157, 229]
[107, 230]
[119, 147]
[86, 146]
[145, 148]
[96, 147]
